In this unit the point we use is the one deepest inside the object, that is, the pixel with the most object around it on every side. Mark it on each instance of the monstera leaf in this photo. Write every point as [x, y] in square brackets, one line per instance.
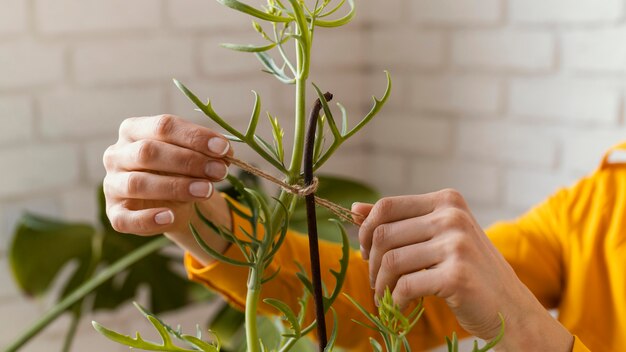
[43, 247]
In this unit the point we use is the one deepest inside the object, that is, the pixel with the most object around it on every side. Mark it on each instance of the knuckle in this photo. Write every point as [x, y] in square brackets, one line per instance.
[108, 159]
[383, 206]
[451, 197]
[390, 261]
[125, 126]
[380, 235]
[195, 137]
[134, 184]
[146, 151]
[118, 223]
[453, 218]
[403, 287]
[164, 125]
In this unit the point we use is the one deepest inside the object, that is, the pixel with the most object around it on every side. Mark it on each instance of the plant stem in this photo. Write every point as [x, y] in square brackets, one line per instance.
[71, 332]
[252, 301]
[314, 252]
[86, 289]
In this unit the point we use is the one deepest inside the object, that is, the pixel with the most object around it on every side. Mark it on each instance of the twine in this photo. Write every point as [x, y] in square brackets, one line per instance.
[300, 191]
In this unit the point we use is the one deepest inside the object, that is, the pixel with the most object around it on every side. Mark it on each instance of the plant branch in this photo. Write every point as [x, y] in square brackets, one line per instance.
[86, 289]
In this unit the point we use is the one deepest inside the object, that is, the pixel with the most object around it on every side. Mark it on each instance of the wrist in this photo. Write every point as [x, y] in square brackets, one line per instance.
[536, 331]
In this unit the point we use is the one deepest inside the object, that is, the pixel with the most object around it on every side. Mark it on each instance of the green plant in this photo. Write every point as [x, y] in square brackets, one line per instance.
[129, 262]
[393, 326]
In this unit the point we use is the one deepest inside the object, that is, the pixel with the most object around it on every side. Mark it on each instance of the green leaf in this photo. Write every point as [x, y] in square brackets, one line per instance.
[289, 315]
[48, 240]
[248, 48]
[241, 7]
[270, 67]
[338, 190]
[338, 22]
[57, 243]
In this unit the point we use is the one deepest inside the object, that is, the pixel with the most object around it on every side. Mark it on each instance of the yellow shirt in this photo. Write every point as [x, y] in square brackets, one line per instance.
[570, 251]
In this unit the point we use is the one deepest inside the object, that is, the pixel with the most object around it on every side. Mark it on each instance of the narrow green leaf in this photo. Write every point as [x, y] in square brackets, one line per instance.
[254, 119]
[328, 113]
[239, 6]
[338, 22]
[378, 104]
[287, 312]
[248, 48]
[215, 254]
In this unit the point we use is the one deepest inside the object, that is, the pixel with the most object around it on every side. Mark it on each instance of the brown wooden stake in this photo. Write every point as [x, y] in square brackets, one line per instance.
[314, 251]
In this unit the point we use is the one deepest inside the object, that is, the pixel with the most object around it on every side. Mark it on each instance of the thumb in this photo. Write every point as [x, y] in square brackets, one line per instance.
[362, 208]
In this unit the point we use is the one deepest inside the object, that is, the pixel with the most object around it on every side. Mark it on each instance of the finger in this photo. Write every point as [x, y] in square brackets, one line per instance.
[162, 157]
[414, 285]
[140, 222]
[363, 209]
[403, 207]
[403, 261]
[395, 235]
[175, 130]
[148, 186]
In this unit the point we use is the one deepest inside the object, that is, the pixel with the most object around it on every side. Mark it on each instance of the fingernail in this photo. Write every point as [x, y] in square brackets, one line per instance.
[201, 189]
[216, 170]
[219, 146]
[354, 205]
[372, 286]
[164, 217]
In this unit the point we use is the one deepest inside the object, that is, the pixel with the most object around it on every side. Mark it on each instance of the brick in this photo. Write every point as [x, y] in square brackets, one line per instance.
[81, 204]
[583, 149]
[79, 16]
[87, 113]
[597, 50]
[379, 12]
[565, 99]
[27, 63]
[525, 188]
[478, 183]
[37, 168]
[448, 12]
[200, 14]
[338, 49]
[388, 172]
[405, 48]
[418, 136]
[92, 155]
[8, 287]
[22, 314]
[451, 93]
[232, 99]
[129, 60]
[13, 18]
[16, 114]
[504, 49]
[507, 143]
[550, 11]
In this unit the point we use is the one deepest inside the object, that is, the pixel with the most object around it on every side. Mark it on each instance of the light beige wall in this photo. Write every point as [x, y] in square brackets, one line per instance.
[503, 99]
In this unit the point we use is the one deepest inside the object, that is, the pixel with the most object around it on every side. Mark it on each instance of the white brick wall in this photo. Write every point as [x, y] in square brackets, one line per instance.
[527, 50]
[80, 16]
[556, 11]
[504, 99]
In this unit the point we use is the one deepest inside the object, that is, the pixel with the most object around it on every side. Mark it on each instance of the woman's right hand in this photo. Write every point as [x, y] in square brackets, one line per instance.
[157, 169]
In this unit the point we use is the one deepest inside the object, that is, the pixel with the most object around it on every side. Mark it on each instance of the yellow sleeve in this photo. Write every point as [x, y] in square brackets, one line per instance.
[230, 281]
[579, 346]
[532, 246]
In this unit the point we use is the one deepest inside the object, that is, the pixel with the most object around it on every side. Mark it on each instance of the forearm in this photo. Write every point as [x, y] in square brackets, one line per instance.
[215, 209]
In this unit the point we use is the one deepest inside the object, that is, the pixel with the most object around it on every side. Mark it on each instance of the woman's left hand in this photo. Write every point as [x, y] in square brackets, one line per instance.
[431, 245]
